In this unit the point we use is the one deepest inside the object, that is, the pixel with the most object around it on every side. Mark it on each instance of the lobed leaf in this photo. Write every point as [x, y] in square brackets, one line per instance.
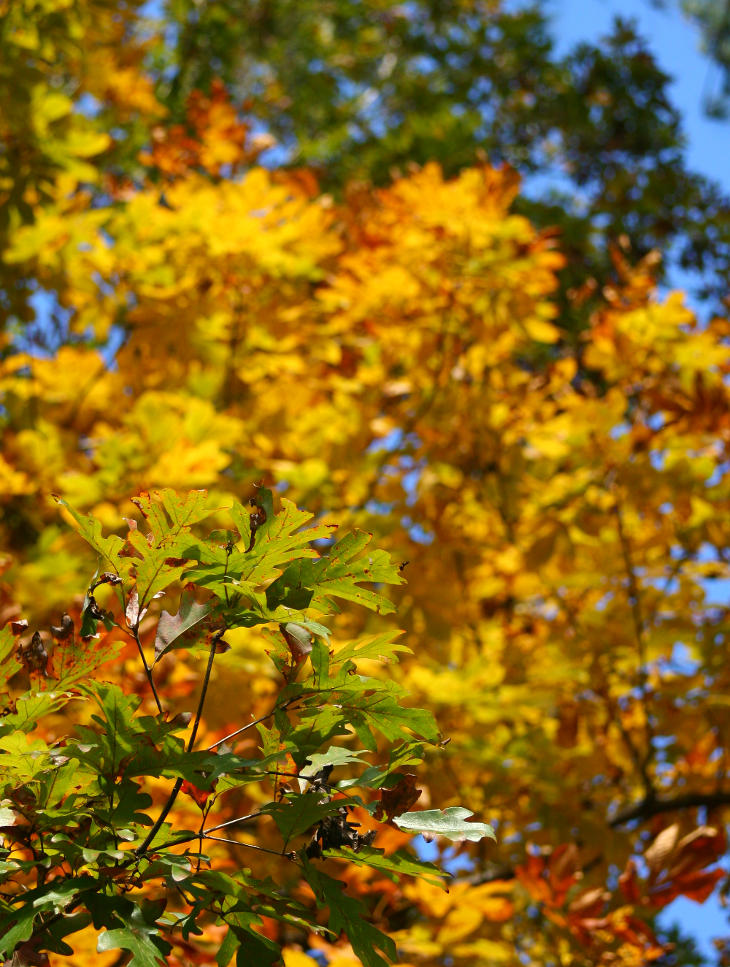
[450, 823]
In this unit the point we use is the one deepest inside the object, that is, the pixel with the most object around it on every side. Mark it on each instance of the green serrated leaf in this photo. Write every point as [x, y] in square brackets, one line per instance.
[188, 509]
[143, 950]
[396, 865]
[299, 814]
[138, 932]
[380, 647]
[8, 655]
[16, 923]
[347, 568]
[450, 823]
[90, 529]
[348, 914]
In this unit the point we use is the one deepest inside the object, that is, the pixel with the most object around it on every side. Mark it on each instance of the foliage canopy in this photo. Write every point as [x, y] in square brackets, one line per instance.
[400, 359]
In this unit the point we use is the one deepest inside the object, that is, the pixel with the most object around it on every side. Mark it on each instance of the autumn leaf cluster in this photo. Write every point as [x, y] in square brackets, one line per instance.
[394, 359]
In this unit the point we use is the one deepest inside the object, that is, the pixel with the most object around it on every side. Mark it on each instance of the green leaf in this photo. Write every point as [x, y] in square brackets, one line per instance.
[160, 561]
[138, 942]
[449, 823]
[341, 574]
[254, 950]
[380, 647]
[278, 541]
[32, 706]
[396, 865]
[301, 813]
[404, 754]
[363, 704]
[227, 949]
[334, 756]
[90, 529]
[184, 510]
[349, 915]
[9, 662]
[16, 923]
[137, 930]
[252, 568]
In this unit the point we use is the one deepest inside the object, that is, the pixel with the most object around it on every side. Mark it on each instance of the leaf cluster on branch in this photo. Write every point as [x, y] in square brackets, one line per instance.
[84, 841]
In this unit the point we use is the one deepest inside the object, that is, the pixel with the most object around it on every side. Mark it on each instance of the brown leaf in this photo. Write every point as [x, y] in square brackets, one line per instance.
[129, 551]
[182, 626]
[399, 798]
[298, 641]
[65, 629]
[139, 502]
[698, 849]
[590, 903]
[564, 863]
[34, 655]
[662, 847]
[695, 886]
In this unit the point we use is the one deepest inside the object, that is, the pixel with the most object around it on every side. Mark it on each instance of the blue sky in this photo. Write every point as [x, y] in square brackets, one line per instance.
[675, 44]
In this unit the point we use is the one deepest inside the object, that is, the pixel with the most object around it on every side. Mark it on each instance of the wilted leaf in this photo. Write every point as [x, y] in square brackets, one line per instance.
[171, 628]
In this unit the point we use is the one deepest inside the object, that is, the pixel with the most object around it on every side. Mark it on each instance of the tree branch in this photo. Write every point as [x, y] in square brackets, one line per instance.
[655, 807]
[639, 631]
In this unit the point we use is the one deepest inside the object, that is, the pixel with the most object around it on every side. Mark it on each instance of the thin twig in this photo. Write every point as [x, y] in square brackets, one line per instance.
[206, 680]
[245, 728]
[231, 822]
[263, 849]
[189, 837]
[178, 782]
[134, 631]
[229, 551]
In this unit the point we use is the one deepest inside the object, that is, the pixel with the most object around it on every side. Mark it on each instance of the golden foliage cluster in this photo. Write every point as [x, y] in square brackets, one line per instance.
[390, 359]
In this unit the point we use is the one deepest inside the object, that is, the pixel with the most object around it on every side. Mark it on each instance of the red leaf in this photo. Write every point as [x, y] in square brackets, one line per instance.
[629, 883]
[199, 796]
